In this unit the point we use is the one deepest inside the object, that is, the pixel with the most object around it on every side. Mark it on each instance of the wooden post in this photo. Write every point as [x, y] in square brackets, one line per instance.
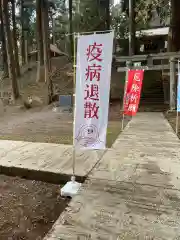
[172, 83]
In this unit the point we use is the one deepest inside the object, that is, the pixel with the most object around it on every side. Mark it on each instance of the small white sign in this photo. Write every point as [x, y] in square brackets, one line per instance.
[137, 64]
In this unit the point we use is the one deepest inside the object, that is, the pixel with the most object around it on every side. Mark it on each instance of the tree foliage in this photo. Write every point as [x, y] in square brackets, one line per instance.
[143, 15]
[91, 17]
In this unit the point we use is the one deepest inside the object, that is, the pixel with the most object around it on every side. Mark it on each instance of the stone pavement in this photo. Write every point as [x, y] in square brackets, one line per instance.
[134, 192]
[46, 157]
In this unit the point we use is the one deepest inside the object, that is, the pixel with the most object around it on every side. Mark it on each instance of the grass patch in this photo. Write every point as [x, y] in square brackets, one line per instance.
[114, 129]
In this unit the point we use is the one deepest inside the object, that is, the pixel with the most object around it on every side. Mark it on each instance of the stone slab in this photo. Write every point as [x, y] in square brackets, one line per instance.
[46, 157]
[133, 192]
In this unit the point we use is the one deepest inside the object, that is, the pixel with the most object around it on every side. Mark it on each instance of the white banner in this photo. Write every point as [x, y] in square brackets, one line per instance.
[94, 59]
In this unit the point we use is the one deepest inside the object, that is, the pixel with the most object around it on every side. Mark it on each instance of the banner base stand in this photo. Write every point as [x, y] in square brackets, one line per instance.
[71, 188]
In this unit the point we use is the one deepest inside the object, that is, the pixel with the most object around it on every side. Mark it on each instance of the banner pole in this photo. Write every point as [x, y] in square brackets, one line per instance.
[177, 122]
[125, 86]
[122, 124]
[177, 113]
[74, 107]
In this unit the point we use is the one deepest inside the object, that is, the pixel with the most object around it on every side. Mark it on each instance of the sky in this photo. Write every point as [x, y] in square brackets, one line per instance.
[116, 1]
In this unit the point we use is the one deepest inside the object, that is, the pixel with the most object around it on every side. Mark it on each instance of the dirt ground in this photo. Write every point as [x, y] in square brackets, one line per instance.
[28, 208]
[41, 124]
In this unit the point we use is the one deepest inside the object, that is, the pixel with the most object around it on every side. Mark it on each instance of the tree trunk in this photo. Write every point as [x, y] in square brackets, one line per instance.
[132, 31]
[103, 9]
[45, 24]
[39, 31]
[11, 62]
[22, 34]
[71, 40]
[26, 43]
[39, 36]
[53, 32]
[174, 33]
[108, 17]
[14, 32]
[3, 40]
